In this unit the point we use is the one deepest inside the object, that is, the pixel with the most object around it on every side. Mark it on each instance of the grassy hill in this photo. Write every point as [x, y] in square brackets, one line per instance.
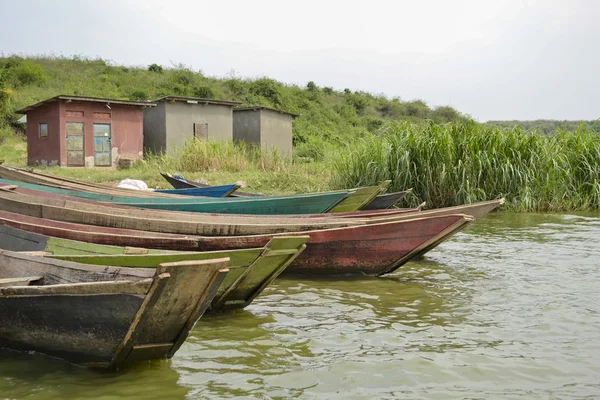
[329, 117]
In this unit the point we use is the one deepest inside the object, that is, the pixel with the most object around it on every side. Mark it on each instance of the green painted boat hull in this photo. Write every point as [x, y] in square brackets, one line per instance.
[314, 203]
[250, 270]
[361, 197]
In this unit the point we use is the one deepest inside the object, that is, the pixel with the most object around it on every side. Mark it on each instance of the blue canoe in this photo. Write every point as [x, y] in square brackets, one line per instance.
[210, 191]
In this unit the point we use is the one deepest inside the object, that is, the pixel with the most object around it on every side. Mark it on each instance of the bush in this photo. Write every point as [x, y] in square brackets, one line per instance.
[417, 108]
[204, 92]
[444, 114]
[357, 101]
[155, 68]
[28, 73]
[372, 124]
[139, 94]
[267, 88]
[6, 99]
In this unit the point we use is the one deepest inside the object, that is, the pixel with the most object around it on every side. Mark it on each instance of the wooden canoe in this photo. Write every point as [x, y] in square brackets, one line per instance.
[267, 205]
[384, 201]
[250, 270]
[101, 316]
[93, 213]
[29, 176]
[367, 249]
[191, 216]
[186, 184]
[23, 188]
[361, 198]
[210, 191]
[380, 202]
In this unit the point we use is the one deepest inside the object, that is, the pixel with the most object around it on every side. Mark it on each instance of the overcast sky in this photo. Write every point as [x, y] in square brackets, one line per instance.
[492, 59]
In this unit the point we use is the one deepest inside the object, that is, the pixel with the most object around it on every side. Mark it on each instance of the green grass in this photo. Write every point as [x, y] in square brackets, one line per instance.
[215, 163]
[463, 163]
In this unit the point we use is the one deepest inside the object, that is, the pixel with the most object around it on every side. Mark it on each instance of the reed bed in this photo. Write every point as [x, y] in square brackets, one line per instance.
[463, 163]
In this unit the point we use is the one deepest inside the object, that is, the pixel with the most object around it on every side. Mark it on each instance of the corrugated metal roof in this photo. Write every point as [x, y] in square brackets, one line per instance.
[199, 100]
[86, 98]
[256, 108]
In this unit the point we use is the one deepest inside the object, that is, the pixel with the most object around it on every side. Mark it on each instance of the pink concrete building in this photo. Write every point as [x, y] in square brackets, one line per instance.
[79, 131]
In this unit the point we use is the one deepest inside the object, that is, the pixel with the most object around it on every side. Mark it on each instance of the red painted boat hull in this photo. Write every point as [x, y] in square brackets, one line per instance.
[368, 249]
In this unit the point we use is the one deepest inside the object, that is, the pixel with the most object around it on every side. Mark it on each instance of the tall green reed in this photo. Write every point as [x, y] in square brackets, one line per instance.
[463, 163]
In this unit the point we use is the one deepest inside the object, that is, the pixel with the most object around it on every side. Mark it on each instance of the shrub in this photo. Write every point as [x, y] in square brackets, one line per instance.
[417, 108]
[372, 123]
[6, 99]
[204, 92]
[139, 94]
[444, 114]
[155, 68]
[357, 101]
[28, 73]
[267, 88]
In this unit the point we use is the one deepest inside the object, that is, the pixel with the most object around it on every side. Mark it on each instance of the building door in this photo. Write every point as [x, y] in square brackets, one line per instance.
[75, 144]
[201, 130]
[102, 145]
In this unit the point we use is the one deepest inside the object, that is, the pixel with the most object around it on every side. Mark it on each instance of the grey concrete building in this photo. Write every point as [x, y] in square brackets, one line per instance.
[264, 126]
[177, 119]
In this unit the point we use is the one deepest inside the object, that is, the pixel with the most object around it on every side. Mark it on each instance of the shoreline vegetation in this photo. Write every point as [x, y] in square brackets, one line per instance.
[343, 139]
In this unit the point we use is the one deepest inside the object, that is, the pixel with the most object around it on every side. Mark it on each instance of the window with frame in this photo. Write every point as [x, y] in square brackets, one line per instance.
[43, 130]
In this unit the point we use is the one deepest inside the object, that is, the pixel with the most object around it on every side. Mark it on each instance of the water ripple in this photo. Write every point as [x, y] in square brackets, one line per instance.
[510, 308]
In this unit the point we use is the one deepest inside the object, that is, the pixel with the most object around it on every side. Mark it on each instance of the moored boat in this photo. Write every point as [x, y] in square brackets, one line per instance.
[361, 197]
[267, 205]
[39, 178]
[365, 249]
[250, 270]
[63, 208]
[100, 316]
[181, 183]
[210, 191]
[384, 201]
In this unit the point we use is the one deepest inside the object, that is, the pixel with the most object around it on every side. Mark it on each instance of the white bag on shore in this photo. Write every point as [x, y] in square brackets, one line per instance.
[133, 184]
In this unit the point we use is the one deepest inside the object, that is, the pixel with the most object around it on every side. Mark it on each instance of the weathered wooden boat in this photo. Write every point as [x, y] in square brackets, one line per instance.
[209, 222]
[380, 202]
[267, 205]
[366, 249]
[181, 183]
[384, 201]
[250, 270]
[361, 197]
[29, 176]
[92, 213]
[101, 316]
[210, 191]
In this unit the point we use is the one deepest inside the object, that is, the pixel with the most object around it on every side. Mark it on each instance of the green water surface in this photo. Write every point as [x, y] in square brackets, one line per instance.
[510, 309]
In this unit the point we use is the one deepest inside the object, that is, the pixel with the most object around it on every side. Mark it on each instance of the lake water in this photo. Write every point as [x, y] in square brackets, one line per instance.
[508, 309]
